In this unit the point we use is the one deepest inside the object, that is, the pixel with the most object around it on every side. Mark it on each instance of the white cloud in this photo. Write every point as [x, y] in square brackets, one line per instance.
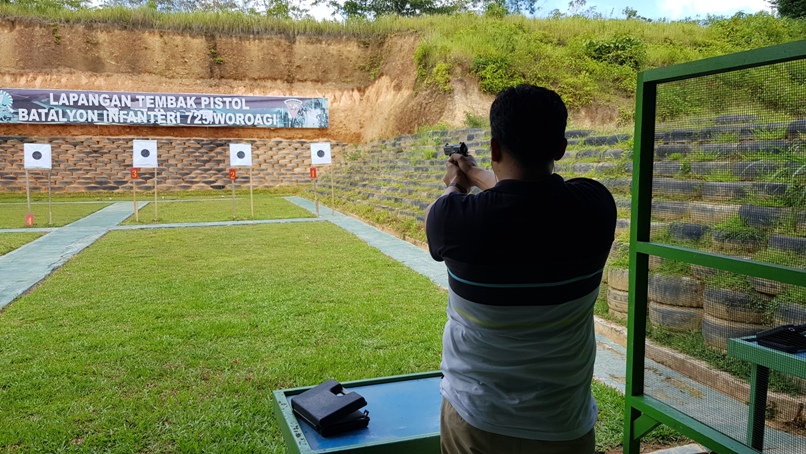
[680, 9]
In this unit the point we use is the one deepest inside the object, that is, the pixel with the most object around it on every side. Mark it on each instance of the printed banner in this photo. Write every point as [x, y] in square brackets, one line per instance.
[80, 107]
[144, 154]
[320, 153]
[240, 154]
[37, 155]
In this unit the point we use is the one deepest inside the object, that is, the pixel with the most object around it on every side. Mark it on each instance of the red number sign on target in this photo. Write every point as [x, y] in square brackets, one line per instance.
[232, 175]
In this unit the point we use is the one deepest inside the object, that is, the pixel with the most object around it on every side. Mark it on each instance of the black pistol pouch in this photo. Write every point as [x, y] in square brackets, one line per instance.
[786, 338]
[331, 409]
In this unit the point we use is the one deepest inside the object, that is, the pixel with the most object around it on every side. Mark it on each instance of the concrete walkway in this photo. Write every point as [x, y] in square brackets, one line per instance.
[24, 267]
[27, 265]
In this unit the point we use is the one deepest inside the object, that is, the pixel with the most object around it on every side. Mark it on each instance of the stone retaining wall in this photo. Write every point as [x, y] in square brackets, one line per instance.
[103, 163]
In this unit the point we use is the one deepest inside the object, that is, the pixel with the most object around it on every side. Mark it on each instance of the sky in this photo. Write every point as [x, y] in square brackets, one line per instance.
[653, 9]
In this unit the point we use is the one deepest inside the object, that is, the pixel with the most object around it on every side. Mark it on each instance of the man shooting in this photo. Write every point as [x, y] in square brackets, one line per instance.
[525, 258]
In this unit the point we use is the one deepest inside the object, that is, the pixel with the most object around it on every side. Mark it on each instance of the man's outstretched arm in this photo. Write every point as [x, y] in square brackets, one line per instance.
[478, 177]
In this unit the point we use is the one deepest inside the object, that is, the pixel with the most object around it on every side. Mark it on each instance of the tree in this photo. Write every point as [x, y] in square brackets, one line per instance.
[282, 9]
[575, 6]
[795, 9]
[632, 13]
[374, 8]
[496, 9]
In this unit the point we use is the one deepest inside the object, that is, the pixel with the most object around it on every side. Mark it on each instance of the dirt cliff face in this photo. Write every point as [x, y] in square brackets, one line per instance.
[370, 84]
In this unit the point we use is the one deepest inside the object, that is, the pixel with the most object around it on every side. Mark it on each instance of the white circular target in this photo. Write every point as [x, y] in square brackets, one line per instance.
[37, 155]
[240, 155]
[145, 154]
[320, 153]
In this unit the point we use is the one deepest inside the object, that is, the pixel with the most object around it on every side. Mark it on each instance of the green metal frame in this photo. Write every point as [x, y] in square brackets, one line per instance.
[643, 413]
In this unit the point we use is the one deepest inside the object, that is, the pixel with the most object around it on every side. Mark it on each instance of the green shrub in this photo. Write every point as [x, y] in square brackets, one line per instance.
[426, 57]
[441, 76]
[476, 121]
[424, 132]
[751, 30]
[673, 268]
[496, 10]
[738, 230]
[495, 73]
[620, 50]
[578, 91]
[672, 102]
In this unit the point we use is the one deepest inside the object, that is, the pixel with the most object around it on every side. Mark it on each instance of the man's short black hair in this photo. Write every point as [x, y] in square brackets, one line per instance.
[529, 122]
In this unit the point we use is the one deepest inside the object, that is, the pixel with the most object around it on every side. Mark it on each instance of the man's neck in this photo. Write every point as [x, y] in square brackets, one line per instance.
[514, 172]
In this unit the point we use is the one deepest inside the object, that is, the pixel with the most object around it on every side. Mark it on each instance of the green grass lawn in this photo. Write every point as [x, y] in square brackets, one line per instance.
[218, 209]
[11, 241]
[12, 214]
[179, 348]
[172, 340]
[178, 207]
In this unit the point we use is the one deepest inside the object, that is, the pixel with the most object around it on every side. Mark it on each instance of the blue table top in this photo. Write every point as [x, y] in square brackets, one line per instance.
[400, 409]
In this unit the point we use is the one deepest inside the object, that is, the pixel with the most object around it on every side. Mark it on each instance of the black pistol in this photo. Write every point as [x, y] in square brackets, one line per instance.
[451, 149]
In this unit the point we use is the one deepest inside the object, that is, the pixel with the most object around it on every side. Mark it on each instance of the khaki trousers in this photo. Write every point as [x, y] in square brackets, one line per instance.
[459, 437]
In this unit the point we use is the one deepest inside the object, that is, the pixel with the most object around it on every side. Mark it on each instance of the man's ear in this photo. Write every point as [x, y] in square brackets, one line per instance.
[561, 150]
[495, 150]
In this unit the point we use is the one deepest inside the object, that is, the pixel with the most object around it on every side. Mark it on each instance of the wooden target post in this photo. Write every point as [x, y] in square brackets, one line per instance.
[134, 174]
[315, 195]
[155, 195]
[332, 193]
[29, 217]
[50, 203]
[232, 177]
[251, 195]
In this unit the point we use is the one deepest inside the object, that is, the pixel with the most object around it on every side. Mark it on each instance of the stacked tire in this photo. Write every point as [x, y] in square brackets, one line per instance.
[617, 296]
[675, 303]
[789, 313]
[732, 313]
[786, 312]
